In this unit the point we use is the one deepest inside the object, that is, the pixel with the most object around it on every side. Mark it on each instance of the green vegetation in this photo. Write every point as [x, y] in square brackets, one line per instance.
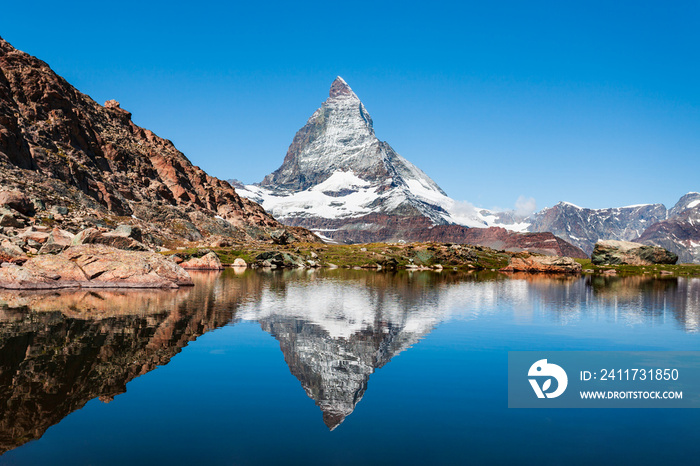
[375, 255]
[411, 256]
[678, 270]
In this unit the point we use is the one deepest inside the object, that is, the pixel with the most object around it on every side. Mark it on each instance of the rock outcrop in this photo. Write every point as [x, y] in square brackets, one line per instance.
[81, 164]
[542, 264]
[209, 261]
[94, 266]
[628, 253]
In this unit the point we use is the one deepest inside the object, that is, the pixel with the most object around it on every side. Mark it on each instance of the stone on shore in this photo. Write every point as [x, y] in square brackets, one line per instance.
[279, 259]
[95, 266]
[209, 261]
[613, 252]
[239, 263]
[542, 264]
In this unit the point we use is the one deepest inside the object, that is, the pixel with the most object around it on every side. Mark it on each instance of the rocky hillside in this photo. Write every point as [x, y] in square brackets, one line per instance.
[83, 164]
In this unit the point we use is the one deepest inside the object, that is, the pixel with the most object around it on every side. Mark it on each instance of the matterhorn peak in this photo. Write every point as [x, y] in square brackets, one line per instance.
[340, 87]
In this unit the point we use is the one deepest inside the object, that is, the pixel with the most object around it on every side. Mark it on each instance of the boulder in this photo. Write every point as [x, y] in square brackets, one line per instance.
[34, 234]
[94, 266]
[239, 263]
[614, 252]
[280, 237]
[128, 231]
[542, 264]
[209, 261]
[16, 200]
[279, 259]
[10, 218]
[106, 267]
[57, 241]
[10, 252]
[123, 237]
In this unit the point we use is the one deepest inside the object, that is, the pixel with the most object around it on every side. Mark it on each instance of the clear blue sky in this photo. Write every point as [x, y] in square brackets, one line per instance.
[596, 103]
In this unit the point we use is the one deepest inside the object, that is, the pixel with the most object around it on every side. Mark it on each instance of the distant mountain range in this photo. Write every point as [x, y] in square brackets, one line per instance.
[339, 180]
[676, 229]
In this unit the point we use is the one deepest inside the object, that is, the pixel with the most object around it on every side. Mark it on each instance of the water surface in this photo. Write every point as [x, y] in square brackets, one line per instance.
[330, 367]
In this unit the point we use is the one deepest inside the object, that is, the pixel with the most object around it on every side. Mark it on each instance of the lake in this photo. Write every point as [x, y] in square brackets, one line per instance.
[331, 367]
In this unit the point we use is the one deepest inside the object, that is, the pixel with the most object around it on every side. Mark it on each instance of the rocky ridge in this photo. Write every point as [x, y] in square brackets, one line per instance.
[81, 164]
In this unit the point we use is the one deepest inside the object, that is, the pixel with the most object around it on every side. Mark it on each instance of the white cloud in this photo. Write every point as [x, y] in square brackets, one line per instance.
[464, 209]
[525, 206]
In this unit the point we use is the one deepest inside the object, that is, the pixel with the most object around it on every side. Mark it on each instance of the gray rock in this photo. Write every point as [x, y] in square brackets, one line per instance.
[627, 253]
[10, 218]
[280, 236]
[119, 239]
[280, 259]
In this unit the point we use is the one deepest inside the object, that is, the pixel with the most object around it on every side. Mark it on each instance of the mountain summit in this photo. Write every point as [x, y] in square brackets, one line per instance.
[345, 170]
[339, 180]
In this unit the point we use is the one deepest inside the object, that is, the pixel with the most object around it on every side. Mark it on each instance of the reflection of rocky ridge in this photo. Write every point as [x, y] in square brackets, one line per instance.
[53, 362]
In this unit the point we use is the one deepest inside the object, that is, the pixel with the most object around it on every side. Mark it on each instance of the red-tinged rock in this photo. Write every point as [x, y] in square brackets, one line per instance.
[10, 252]
[33, 234]
[108, 267]
[209, 261]
[15, 277]
[18, 201]
[95, 266]
[94, 160]
[59, 268]
[542, 264]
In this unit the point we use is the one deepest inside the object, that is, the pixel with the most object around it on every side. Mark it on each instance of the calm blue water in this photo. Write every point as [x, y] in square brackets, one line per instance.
[334, 367]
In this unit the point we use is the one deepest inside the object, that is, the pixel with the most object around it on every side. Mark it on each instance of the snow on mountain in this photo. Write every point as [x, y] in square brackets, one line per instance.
[583, 227]
[336, 168]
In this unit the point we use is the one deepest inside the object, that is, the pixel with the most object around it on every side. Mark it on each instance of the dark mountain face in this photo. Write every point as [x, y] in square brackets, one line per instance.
[64, 150]
[583, 227]
[680, 233]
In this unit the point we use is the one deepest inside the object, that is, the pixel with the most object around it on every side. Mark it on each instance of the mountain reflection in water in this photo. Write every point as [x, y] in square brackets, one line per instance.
[58, 350]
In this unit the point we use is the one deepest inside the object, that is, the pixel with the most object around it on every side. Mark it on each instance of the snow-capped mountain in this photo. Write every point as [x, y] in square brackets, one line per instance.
[341, 181]
[583, 227]
[680, 233]
[676, 229]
